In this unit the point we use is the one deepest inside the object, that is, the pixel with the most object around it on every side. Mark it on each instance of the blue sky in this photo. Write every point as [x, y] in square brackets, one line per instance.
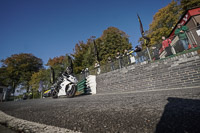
[50, 28]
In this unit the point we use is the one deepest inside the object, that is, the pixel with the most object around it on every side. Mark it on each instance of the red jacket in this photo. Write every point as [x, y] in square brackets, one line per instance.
[166, 43]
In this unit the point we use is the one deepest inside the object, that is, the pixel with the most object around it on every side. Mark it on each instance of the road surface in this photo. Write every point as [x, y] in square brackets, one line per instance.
[170, 111]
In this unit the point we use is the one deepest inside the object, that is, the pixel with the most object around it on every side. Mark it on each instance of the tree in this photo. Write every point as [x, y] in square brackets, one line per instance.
[113, 41]
[59, 64]
[3, 76]
[188, 4]
[55, 61]
[163, 22]
[43, 76]
[19, 69]
[84, 56]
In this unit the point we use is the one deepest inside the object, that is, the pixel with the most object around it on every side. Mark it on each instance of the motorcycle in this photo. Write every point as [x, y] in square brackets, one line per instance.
[66, 85]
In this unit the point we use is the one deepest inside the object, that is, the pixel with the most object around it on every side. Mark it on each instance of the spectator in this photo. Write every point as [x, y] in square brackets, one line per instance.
[119, 57]
[125, 52]
[97, 66]
[131, 57]
[166, 46]
[83, 74]
[86, 72]
[110, 61]
[126, 57]
[155, 53]
[138, 50]
[181, 33]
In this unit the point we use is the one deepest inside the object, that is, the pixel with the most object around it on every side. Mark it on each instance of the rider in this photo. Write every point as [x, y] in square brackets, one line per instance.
[68, 71]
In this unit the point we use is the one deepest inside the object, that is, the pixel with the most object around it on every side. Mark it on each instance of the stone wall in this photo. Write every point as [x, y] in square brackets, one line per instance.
[181, 71]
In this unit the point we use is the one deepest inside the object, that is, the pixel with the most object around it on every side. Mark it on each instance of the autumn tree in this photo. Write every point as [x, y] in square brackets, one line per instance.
[3, 76]
[83, 55]
[59, 64]
[42, 76]
[112, 41]
[188, 4]
[163, 22]
[19, 69]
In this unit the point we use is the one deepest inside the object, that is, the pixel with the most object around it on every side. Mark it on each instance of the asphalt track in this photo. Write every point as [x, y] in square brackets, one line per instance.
[164, 111]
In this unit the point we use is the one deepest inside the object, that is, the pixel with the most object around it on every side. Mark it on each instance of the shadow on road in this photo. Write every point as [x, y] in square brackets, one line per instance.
[4, 129]
[180, 116]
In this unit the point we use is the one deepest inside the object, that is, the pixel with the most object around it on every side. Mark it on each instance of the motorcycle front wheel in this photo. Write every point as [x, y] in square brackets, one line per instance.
[71, 93]
[54, 94]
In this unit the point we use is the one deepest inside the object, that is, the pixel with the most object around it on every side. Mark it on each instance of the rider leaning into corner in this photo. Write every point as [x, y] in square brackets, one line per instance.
[66, 83]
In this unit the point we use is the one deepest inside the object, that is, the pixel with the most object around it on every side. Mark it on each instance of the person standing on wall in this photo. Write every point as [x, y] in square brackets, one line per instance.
[138, 50]
[166, 46]
[119, 58]
[181, 33]
[97, 66]
[110, 61]
[126, 58]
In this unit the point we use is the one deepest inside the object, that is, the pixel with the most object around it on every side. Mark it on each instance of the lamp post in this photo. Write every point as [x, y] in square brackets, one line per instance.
[146, 39]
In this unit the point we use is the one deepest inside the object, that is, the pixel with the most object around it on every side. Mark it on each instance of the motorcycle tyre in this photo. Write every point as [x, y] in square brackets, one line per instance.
[72, 92]
[54, 94]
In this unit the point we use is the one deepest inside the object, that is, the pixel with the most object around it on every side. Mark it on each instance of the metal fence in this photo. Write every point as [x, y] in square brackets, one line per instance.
[150, 54]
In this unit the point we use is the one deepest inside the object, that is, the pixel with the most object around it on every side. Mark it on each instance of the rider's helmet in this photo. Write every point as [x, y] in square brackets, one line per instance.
[68, 70]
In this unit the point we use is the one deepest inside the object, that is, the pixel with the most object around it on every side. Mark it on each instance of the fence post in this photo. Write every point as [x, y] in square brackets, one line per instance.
[149, 54]
[193, 39]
